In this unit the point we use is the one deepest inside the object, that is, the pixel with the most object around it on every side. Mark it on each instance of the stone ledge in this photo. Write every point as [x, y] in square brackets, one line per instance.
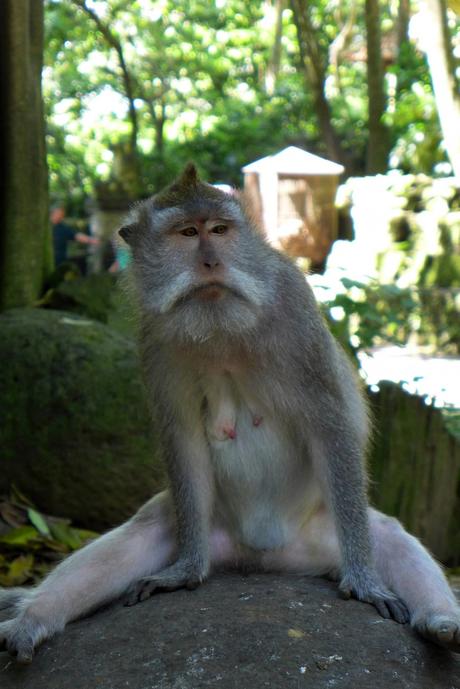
[238, 632]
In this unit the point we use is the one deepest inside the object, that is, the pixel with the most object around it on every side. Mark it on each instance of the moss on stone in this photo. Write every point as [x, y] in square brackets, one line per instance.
[75, 434]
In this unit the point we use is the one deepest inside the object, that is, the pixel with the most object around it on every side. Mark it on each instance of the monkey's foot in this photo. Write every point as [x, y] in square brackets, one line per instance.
[181, 574]
[21, 635]
[369, 589]
[441, 628]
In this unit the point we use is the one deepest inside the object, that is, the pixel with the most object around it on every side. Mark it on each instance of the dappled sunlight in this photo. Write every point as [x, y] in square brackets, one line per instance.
[435, 377]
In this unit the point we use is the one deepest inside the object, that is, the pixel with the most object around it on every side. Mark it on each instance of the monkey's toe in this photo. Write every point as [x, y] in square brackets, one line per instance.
[5, 628]
[442, 629]
[18, 639]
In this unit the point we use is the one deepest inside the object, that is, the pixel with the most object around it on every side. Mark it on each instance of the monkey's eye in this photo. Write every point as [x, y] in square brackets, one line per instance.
[189, 231]
[220, 229]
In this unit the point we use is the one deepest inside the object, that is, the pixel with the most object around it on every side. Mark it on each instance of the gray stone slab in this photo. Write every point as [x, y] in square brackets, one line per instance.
[238, 632]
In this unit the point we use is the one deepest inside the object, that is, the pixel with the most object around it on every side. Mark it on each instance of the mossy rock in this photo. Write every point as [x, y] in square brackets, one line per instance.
[97, 296]
[75, 434]
[92, 295]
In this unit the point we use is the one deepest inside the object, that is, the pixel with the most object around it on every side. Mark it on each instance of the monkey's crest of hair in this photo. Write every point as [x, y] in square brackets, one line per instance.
[187, 191]
[187, 186]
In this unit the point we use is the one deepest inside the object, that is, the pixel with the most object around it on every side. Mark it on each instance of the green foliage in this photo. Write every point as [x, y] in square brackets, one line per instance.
[31, 542]
[198, 73]
[365, 315]
[189, 62]
[452, 421]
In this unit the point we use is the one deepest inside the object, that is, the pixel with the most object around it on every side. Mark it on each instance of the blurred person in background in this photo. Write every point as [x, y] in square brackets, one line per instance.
[63, 234]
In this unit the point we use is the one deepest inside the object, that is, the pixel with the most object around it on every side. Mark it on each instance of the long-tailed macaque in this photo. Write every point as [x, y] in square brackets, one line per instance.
[264, 432]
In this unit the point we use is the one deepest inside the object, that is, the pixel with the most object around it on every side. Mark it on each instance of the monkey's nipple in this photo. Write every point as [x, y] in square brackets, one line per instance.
[223, 430]
[230, 433]
[257, 420]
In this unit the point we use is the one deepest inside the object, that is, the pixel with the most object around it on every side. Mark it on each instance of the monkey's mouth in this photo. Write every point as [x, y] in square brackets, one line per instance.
[211, 291]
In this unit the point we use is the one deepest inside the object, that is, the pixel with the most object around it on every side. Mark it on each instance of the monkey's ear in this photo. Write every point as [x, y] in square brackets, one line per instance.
[127, 232]
[189, 177]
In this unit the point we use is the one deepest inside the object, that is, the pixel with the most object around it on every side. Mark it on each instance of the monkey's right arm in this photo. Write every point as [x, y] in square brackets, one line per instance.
[187, 457]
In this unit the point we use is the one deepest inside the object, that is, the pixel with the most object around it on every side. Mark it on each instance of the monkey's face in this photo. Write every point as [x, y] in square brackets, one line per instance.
[196, 267]
[199, 265]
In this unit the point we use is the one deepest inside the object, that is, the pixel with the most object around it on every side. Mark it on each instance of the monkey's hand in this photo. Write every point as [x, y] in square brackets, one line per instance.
[367, 587]
[184, 573]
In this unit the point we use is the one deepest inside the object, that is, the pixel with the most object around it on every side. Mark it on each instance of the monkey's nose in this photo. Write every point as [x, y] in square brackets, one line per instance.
[211, 263]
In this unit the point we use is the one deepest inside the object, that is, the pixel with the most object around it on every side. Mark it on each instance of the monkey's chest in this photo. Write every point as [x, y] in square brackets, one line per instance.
[262, 479]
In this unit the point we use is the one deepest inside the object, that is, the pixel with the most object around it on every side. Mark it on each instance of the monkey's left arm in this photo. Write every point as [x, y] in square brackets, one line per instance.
[338, 458]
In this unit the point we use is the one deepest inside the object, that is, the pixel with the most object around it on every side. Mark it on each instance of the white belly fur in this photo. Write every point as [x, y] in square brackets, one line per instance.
[264, 479]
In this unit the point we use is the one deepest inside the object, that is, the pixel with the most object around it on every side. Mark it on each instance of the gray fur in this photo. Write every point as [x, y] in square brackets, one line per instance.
[304, 387]
[264, 432]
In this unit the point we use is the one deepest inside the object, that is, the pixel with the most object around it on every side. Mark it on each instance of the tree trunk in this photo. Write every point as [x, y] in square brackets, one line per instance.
[159, 133]
[403, 48]
[403, 23]
[25, 255]
[273, 66]
[315, 77]
[379, 141]
[437, 45]
[341, 42]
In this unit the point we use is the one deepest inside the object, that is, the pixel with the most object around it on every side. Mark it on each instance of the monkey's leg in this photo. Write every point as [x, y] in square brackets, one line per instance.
[409, 570]
[98, 573]
[315, 550]
[222, 551]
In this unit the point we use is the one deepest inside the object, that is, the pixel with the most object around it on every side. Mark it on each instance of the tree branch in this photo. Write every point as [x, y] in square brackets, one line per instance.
[115, 43]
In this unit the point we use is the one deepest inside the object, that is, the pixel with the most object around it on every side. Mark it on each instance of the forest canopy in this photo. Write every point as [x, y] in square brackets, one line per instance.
[133, 89]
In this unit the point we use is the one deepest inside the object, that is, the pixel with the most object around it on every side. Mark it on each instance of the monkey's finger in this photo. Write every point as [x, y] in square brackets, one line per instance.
[130, 599]
[382, 608]
[139, 593]
[192, 585]
[398, 610]
[345, 592]
[146, 592]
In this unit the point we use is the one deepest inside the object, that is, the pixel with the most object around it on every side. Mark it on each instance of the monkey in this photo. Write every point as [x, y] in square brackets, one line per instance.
[264, 431]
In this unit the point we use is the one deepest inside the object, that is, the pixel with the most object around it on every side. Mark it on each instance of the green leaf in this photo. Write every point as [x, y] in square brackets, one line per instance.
[85, 534]
[66, 535]
[348, 283]
[21, 569]
[39, 522]
[20, 536]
